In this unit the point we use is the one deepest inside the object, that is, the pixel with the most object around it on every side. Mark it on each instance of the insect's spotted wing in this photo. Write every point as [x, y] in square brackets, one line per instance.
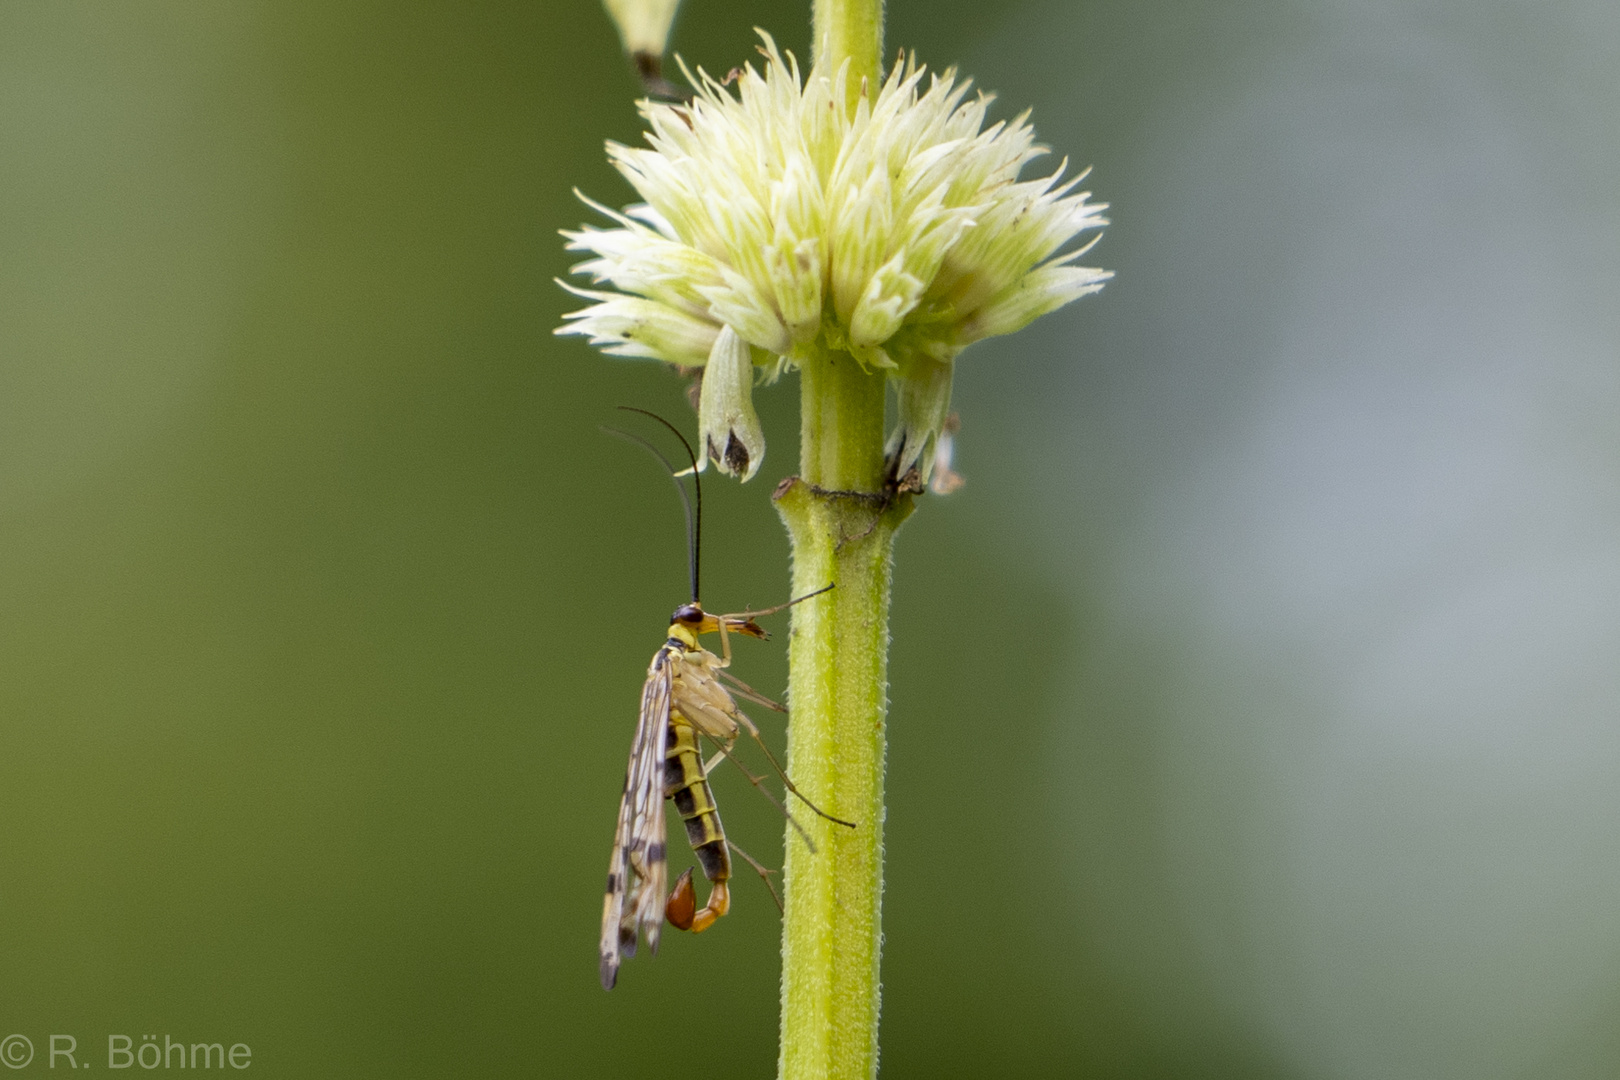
[637, 871]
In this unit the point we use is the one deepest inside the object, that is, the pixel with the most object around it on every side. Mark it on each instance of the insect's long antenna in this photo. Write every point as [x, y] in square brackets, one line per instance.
[686, 502]
[694, 520]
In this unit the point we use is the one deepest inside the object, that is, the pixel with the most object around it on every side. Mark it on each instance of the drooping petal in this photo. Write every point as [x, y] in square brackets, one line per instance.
[923, 390]
[632, 326]
[727, 423]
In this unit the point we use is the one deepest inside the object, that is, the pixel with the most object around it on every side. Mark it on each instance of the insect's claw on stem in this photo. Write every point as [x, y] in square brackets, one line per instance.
[788, 783]
[829, 817]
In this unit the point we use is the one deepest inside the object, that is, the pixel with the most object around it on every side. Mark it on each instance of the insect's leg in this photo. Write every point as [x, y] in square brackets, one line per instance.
[709, 766]
[725, 647]
[764, 874]
[780, 607]
[744, 690]
[742, 721]
[759, 785]
[752, 730]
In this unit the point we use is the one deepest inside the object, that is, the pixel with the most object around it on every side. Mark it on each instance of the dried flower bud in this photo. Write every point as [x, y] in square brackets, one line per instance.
[923, 389]
[727, 423]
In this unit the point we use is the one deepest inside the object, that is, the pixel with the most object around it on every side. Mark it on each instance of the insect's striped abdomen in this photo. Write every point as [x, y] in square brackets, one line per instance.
[685, 783]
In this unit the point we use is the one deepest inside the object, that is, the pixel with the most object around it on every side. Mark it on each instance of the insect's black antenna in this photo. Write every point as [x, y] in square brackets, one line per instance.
[686, 502]
[694, 519]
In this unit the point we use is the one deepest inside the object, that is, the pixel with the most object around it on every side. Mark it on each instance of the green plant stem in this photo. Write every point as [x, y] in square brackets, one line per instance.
[842, 530]
[849, 30]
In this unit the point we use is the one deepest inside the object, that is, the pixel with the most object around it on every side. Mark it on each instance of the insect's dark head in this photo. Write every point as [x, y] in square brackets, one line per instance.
[691, 620]
[688, 622]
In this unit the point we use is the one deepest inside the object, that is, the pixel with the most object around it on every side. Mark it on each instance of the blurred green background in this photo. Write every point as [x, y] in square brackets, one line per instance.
[1256, 706]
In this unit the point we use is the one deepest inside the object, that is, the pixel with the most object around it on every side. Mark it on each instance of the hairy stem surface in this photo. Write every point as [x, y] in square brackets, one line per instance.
[842, 530]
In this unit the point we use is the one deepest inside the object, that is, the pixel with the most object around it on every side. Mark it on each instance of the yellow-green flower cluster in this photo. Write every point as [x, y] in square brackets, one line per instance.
[783, 220]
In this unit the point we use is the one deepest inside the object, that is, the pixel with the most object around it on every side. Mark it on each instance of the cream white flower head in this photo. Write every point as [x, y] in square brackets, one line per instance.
[896, 230]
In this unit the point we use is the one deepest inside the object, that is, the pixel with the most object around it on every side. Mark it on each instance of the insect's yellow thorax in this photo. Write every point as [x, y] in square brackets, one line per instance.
[684, 634]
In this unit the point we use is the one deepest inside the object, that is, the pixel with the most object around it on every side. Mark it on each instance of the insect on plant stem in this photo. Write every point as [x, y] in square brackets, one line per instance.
[685, 700]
